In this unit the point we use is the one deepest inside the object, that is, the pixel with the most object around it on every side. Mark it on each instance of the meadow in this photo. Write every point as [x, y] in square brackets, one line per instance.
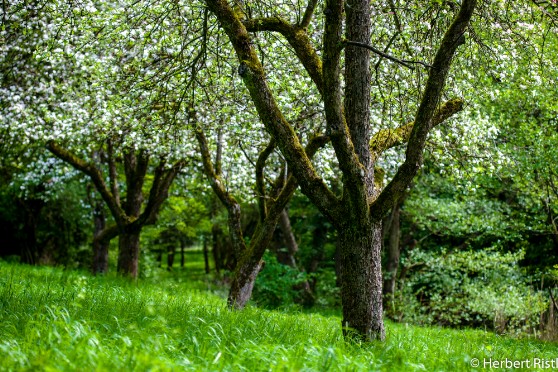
[52, 319]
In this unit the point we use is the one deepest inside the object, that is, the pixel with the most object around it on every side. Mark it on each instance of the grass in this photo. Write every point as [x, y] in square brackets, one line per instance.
[57, 320]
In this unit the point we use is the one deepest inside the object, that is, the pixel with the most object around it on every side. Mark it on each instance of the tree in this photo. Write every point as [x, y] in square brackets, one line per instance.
[128, 215]
[92, 95]
[357, 214]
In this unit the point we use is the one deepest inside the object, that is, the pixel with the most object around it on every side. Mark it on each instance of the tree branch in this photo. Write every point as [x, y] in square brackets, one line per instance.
[298, 39]
[159, 191]
[233, 208]
[254, 78]
[308, 13]
[135, 168]
[424, 118]
[402, 62]
[108, 233]
[95, 174]
[260, 185]
[388, 138]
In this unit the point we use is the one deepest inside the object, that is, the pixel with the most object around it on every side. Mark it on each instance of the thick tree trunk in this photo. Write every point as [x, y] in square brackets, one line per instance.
[361, 281]
[128, 255]
[392, 256]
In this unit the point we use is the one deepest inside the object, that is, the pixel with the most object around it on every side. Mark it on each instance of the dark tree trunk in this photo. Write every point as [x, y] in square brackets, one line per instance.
[100, 256]
[206, 255]
[170, 256]
[288, 236]
[216, 233]
[392, 256]
[128, 255]
[135, 167]
[160, 257]
[30, 249]
[361, 281]
[182, 254]
[100, 246]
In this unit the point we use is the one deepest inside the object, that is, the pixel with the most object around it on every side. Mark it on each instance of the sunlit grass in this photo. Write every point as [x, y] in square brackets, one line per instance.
[51, 319]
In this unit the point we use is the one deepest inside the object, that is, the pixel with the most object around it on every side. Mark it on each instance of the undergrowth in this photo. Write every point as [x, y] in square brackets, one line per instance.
[58, 320]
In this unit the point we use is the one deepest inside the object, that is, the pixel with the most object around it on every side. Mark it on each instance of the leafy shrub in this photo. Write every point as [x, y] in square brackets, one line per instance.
[276, 284]
[327, 292]
[474, 288]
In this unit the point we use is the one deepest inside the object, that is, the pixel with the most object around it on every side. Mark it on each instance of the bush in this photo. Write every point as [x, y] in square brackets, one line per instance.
[276, 284]
[481, 289]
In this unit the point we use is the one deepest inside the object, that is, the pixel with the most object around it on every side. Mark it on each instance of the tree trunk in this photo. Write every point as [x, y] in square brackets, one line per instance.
[243, 281]
[31, 211]
[100, 256]
[216, 233]
[392, 256]
[250, 263]
[205, 255]
[128, 255]
[182, 254]
[170, 256]
[288, 236]
[361, 281]
[160, 257]
[100, 246]
[393, 251]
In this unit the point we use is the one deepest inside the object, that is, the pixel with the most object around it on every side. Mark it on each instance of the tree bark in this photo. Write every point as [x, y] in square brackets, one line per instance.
[216, 233]
[100, 246]
[206, 255]
[361, 281]
[129, 251]
[182, 253]
[251, 263]
[288, 236]
[392, 256]
[170, 256]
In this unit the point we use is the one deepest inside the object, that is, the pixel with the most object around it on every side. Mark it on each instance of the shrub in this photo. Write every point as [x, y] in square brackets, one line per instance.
[474, 288]
[276, 284]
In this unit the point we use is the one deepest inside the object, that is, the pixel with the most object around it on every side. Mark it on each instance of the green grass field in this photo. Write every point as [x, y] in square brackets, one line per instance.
[59, 320]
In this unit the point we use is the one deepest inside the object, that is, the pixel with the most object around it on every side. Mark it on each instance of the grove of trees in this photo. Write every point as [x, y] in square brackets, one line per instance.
[397, 155]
